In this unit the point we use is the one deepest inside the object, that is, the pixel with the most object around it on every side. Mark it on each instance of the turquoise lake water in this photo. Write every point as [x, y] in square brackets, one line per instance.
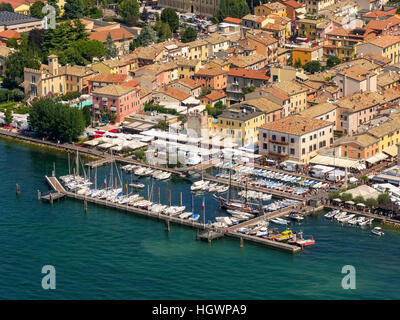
[106, 254]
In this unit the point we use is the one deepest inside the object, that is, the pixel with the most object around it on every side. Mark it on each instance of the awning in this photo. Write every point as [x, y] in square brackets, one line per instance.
[361, 204]
[350, 202]
[391, 151]
[335, 161]
[376, 158]
[337, 200]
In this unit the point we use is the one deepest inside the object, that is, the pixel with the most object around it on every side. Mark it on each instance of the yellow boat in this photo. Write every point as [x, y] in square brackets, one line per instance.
[285, 235]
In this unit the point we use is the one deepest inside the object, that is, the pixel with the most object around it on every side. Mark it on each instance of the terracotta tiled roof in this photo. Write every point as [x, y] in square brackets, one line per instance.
[116, 34]
[360, 101]
[318, 110]
[248, 74]
[210, 72]
[233, 20]
[131, 83]
[8, 34]
[357, 73]
[190, 83]
[293, 4]
[384, 41]
[113, 90]
[277, 93]
[110, 77]
[262, 104]
[176, 94]
[216, 95]
[380, 13]
[246, 61]
[297, 125]
[364, 140]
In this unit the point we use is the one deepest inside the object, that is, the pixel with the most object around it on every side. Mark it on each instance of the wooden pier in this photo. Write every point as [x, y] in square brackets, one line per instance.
[52, 196]
[213, 233]
[99, 163]
[209, 235]
[276, 193]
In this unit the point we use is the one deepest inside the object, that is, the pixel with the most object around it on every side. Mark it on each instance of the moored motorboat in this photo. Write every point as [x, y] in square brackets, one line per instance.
[377, 231]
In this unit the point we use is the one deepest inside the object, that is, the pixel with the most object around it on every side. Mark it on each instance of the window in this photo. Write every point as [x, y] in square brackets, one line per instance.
[265, 146]
[273, 137]
[303, 151]
[291, 140]
[291, 151]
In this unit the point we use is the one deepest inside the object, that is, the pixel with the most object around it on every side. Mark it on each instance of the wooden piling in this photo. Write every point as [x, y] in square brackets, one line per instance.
[167, 228]
[85, 205]
[241, 242]
[39, 196]
[17, 189]
[51, 198]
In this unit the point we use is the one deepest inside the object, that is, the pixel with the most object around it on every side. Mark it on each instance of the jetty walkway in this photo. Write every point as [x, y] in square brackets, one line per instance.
[59, 189]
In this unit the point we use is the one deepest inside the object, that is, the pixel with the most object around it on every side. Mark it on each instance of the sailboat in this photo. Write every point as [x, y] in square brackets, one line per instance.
[238, 205]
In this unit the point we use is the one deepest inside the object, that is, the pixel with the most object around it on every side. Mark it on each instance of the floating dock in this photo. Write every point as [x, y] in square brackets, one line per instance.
[208, 231]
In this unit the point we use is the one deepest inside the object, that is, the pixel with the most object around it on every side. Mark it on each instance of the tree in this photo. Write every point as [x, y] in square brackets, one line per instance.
[312, 67]
[5, 6]
[87, 116]
[74, 9]
[163, 31]
[129, 10]
[168, 15]
[12, 43]
[232, 8]
[188, 35]
[162, 125]
[334, 194]
[346, 196]
[144, 16]
[36, 10]
[383, 198]
[15, 64]
[56, 120]
[364, 179]
[8, 117]
[332, 61]
[248, 89]
[111, 49]
[147, 36]
[371, 203]
[359, 199]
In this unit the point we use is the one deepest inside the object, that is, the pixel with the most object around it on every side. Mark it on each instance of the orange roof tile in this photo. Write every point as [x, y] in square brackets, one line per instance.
[8, 34]
[210, 72]
[176, 93]
[297, 125]
[216, 95]
[380, 13]
[248, 74]
[384, 41]
[110, 77]
[192, 84]
[233, 20]
[116, 34]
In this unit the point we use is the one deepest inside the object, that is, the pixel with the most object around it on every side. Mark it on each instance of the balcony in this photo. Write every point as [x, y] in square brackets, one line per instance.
[279, 142]
[113, 109]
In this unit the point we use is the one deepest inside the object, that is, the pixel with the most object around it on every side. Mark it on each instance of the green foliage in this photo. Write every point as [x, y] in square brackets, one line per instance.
[371, 202]
[147, 36]
[111, 49]
[334, 194]
[332, 61]
[68, 96]
[140, 154]
[148, 107]
[55, 120]
[134, 44]
[346, 196]
[129, 11]
[215, 111]
[12, 43]
[232, 8]
[204, 91]
[8, 117]
[383, 198]
[188, 35]
[297, 64]
[364, 179]
[163, 31]
[35, 10]
[81, 52]
[74, 9]
[15, 64]
[144, 16]
[248, 89]
[162, 125]
[359, 199]
[95, 13]
[87, 115]
[5, 6]
[168, 15]
[312, 67]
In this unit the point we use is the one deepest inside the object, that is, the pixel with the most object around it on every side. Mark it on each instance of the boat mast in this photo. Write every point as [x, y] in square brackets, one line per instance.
[230, 184]
[77, 162]
[69, 165]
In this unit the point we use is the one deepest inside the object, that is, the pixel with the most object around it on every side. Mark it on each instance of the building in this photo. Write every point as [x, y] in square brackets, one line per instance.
[213, 97]
[303, 55]
[355, 79]
[323, 111]
[297, 95]
[239, 78]
[357, 109]
[294, 10]
[115, 102]
[214, 78]
[254, 61]
[171, 96]
[388, 80]
[264, 43]
[198, 50]
[253, 22]
[314, 7]
[314, 28]
[286, 73]
[188, 85]
[274, 95]
[266, 9]
[386, 45]
[4, 52]
[18, 22]
[388, 135]
[121, 38]
[56, 79]
[361, 146]
[102, 80]
[187, 68]
[200, 7]
[272, 110]
[240, 123]
[295, 138]
[216, 43]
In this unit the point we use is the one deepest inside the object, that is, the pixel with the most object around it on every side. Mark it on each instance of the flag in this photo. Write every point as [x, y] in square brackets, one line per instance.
[105, 182]
[169, 195]
[202, 205]
[126, 188]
